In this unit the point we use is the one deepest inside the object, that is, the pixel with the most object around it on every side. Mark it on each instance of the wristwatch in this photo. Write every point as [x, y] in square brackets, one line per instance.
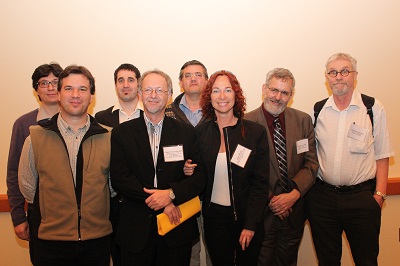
[383, 195]
[171, 194]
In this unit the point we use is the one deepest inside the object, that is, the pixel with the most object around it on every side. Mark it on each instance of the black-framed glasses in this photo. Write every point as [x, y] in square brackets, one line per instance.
[343, 73]
[276, 92]
[148, 91]
[45, 83]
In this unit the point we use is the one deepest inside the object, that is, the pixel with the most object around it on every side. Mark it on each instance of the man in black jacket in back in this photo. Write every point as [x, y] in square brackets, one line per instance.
[128, 107]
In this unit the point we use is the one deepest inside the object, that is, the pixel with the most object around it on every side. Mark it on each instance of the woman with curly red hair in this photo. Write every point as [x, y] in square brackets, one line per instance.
[235, 155]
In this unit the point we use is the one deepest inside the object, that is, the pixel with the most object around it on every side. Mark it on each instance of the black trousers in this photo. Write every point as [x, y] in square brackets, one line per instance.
[222, 234]
[352, 210]
[281, 241]
[94, 252]
[115, 206]
[157, 252]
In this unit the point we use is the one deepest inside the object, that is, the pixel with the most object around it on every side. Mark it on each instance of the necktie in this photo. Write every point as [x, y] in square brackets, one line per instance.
[280, 149]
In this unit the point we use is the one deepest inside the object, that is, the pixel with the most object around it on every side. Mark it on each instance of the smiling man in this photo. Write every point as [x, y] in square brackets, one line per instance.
[63, 172]
[291, 178]
[147, 158]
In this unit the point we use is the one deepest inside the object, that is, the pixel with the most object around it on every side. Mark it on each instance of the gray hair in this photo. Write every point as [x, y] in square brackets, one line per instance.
[280, 73]
[342, 56]
[159, 72]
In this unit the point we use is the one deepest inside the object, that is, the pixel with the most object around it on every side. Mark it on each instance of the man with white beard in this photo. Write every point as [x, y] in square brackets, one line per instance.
[353, 150]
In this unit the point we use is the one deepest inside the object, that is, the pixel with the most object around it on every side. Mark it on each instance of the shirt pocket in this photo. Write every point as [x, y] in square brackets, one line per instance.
[360, 147]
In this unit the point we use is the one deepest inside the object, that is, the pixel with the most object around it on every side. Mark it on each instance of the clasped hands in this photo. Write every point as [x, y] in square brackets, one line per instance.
[159, 199]
[281, 205]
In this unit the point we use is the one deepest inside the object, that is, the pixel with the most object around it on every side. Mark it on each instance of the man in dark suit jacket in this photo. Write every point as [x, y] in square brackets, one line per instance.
[285, 217]
[147, 159]
[128, 107]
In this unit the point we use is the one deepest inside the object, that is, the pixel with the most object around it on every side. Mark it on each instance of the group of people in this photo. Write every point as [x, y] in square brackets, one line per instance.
[95, 185]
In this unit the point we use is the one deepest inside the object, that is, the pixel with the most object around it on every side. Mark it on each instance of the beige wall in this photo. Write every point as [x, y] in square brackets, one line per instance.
[246, 37]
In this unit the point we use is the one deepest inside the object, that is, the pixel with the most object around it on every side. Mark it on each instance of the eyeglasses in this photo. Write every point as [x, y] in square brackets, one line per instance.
[276, 92]
[45, 83]
[196, 75]
[343, 73]
[148, 91]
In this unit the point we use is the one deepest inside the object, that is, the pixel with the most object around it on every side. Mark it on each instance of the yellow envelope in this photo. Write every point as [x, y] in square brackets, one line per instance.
[188, 209]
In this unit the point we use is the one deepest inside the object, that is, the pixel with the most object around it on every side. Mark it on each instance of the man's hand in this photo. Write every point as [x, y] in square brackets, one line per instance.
[379, 199]
[245, 237]
[285, 214]
[281, 205]
[174, 213]
[158, 199]
[22, 231]
[188, 168]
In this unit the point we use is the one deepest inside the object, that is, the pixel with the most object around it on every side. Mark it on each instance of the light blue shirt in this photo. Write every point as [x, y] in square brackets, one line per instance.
[193, 117]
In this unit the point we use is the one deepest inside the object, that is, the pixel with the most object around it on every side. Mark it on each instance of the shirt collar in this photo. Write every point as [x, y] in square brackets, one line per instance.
[43, 114]
[117, 106]
[355, 101]
[183, 102]
[270, 118]
[148, 122]
[65, 128]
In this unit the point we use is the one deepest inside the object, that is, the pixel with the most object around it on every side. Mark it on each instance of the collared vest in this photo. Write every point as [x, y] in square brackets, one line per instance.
[61, 217]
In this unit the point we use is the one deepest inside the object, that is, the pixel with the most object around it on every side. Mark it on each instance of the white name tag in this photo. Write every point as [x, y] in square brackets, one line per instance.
[240, 156]
[357, 132]
[173, 153]
[302, 146]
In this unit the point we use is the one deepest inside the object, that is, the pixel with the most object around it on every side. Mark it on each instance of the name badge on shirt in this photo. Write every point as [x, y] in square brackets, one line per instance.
[240, 156]
[302, 146]
[357, 132]
[173, 153]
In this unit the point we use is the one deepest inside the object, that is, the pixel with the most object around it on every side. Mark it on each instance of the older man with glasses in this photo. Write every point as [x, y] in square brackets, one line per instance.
[147, 158]
[353, 150]
[293, 168]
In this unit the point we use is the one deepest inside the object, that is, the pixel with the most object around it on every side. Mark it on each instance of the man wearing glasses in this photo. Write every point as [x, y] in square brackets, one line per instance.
[354, 156]
[293, 168]
[186, 107]
[193, 77]
[147, 159]
[44, 82]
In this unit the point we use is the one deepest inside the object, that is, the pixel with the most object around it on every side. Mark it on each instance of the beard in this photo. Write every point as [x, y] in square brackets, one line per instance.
[340, 90]
[272, 109]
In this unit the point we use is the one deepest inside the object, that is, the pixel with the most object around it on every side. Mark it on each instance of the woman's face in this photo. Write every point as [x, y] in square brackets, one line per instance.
[222, 96]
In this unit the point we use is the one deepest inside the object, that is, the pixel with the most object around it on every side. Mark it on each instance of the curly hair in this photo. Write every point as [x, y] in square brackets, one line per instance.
[240, 102]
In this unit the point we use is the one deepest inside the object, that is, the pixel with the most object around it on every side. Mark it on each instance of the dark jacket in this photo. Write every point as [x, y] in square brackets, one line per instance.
[132, 169]
[173, 111]
[302, 167]
[248, 185]
[109, 118]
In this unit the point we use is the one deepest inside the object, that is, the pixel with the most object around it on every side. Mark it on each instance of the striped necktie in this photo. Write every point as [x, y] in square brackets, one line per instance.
[280, 149]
